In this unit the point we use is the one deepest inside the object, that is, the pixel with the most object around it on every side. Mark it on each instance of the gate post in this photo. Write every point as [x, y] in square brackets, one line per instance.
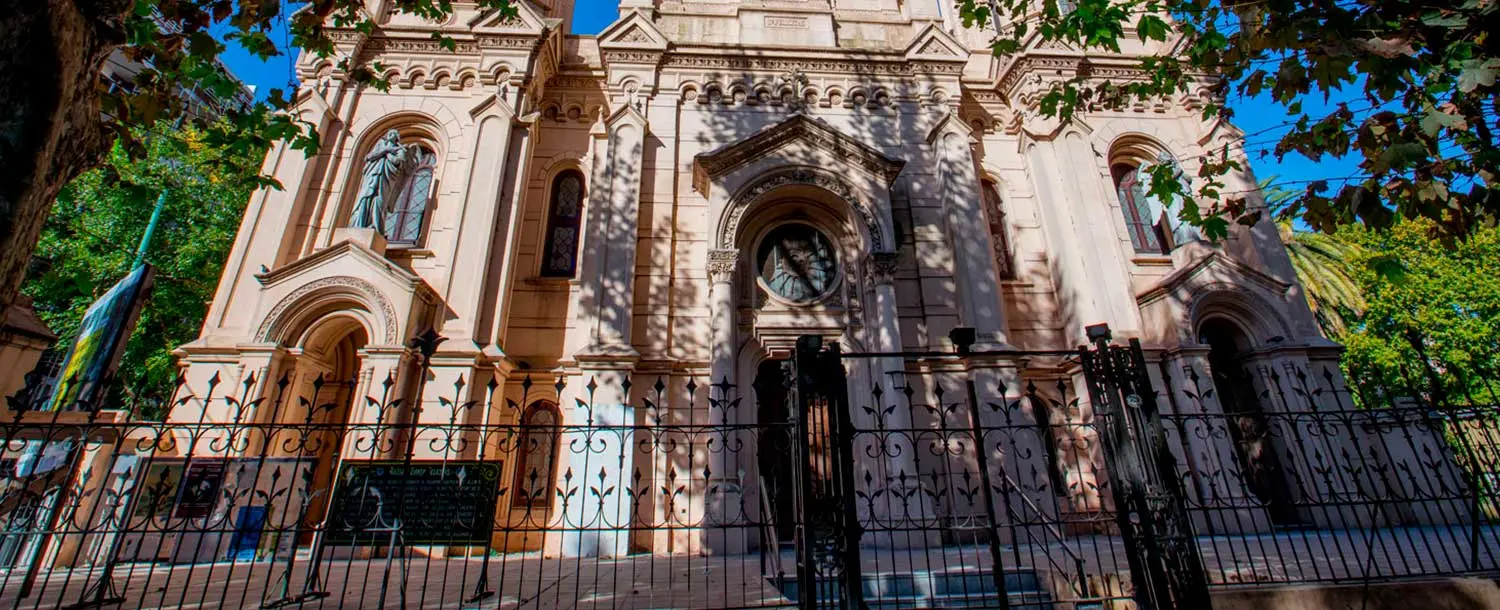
[829, 532]
[1160, 544]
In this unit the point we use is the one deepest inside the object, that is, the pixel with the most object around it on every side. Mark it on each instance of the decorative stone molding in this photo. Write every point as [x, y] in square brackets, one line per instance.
[730, 226]
[889, 66]
[882, 267]
[368, 292]
[722, 264]
[798, 127]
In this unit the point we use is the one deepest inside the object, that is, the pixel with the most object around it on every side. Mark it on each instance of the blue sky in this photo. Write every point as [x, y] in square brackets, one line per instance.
[1259, 117]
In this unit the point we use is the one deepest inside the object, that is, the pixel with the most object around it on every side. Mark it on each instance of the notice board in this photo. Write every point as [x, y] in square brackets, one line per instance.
[429, 502]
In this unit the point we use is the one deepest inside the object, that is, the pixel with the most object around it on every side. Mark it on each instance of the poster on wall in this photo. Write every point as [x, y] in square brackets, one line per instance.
[201, 482]
[157, 489]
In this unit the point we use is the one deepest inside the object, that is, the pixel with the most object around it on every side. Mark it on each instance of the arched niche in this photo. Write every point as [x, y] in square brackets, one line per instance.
[798, 152]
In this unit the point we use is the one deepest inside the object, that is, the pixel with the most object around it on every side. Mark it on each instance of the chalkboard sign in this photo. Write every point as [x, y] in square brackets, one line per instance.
[429, 502]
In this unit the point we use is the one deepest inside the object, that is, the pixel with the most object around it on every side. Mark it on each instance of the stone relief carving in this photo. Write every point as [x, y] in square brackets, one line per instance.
[771, 181]
[722, 265]
[882, 267]
[361, 287]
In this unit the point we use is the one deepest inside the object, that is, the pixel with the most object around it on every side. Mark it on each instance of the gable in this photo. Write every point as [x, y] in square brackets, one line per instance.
[633, 30]
[933, 44]
[797, 128]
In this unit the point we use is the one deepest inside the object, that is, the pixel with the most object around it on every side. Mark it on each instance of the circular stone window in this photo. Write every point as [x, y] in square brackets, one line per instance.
[796, 263]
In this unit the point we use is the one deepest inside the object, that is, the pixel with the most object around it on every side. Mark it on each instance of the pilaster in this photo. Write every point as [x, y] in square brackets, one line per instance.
[607, 293]
[980, 303]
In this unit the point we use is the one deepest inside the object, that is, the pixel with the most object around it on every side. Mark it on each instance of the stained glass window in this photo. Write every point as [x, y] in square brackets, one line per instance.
[560, 250]
[797, 262]
[1130, 187]
[404, 219]
[538, 453]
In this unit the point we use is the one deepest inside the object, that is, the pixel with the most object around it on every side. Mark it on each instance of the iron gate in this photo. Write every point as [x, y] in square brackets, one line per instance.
[970, 525]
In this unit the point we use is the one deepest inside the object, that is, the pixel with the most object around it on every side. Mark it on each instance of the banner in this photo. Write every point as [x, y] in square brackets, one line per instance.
[105, 328]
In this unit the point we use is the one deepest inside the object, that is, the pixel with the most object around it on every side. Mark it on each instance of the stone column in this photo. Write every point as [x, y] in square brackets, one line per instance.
[722, 267]
[904, 519]
[981, 305]
[385, 377]
[725, 512]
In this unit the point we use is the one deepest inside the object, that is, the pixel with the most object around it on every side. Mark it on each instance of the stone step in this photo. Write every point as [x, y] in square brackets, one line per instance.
[944, 589]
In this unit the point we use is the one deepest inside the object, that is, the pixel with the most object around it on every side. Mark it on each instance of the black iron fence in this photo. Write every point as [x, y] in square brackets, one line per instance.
[1104, 477]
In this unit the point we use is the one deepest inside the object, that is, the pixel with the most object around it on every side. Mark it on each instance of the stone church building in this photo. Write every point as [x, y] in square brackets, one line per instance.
[683, 195]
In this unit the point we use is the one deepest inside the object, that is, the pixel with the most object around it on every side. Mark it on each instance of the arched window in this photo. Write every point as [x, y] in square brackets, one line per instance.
[537, 452]
[994, 209]
[1145, 230]
[405, 217]
[1155, 227]
[564, 212]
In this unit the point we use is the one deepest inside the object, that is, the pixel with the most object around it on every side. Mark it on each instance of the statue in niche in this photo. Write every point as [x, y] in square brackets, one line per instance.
[380, 184]
[1168, 215]
[797, 263]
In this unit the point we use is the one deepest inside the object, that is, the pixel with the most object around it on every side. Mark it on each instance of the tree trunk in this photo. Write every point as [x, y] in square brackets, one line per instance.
[51, 55]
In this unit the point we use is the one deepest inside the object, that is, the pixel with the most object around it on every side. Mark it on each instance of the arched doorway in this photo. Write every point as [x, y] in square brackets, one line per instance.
[1255, 444]
[326, 389]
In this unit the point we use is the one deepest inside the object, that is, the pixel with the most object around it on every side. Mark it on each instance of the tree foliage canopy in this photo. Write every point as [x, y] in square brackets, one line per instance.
[90, 238]
[1419, 80]
[179, 42]
[1432, 313]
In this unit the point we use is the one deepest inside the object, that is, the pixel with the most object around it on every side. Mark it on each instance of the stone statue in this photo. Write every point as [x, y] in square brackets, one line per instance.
[379, 183]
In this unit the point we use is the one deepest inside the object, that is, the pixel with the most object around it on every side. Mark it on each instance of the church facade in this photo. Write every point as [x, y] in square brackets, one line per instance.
[685, 194]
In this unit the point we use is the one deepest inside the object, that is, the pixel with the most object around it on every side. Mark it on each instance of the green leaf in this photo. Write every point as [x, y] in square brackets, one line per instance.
[1151, 27]
[1476, 73]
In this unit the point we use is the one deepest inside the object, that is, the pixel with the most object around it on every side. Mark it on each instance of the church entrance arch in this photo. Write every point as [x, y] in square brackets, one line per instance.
[1255, 442]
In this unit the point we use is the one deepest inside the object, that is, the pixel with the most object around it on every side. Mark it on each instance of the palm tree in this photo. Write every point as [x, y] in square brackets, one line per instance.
[1322, 262]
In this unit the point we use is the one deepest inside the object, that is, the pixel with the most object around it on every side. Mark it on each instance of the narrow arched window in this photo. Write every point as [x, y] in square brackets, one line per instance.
[537, 453]
[564, 212]
[994, 209]
[1143, 223]
[405, 218]
[1156, 225]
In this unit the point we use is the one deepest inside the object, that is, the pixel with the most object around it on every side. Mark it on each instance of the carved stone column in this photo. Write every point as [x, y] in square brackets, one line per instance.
[722, 265]
[724, 528]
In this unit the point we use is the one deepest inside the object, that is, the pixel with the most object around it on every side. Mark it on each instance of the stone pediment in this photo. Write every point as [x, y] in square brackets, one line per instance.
[527, 20]
[1213, 267]
[799, 129]
[1212, 281]
[633, 31]
[933, 44]
[394, 296]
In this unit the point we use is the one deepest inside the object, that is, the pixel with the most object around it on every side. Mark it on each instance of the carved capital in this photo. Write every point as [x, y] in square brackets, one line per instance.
[722, 265]
[882, 267]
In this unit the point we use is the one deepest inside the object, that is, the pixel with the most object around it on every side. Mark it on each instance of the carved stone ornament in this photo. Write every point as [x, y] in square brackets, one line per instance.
[818, 178]
[882, 267]
[367, 291]
[722, 265]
